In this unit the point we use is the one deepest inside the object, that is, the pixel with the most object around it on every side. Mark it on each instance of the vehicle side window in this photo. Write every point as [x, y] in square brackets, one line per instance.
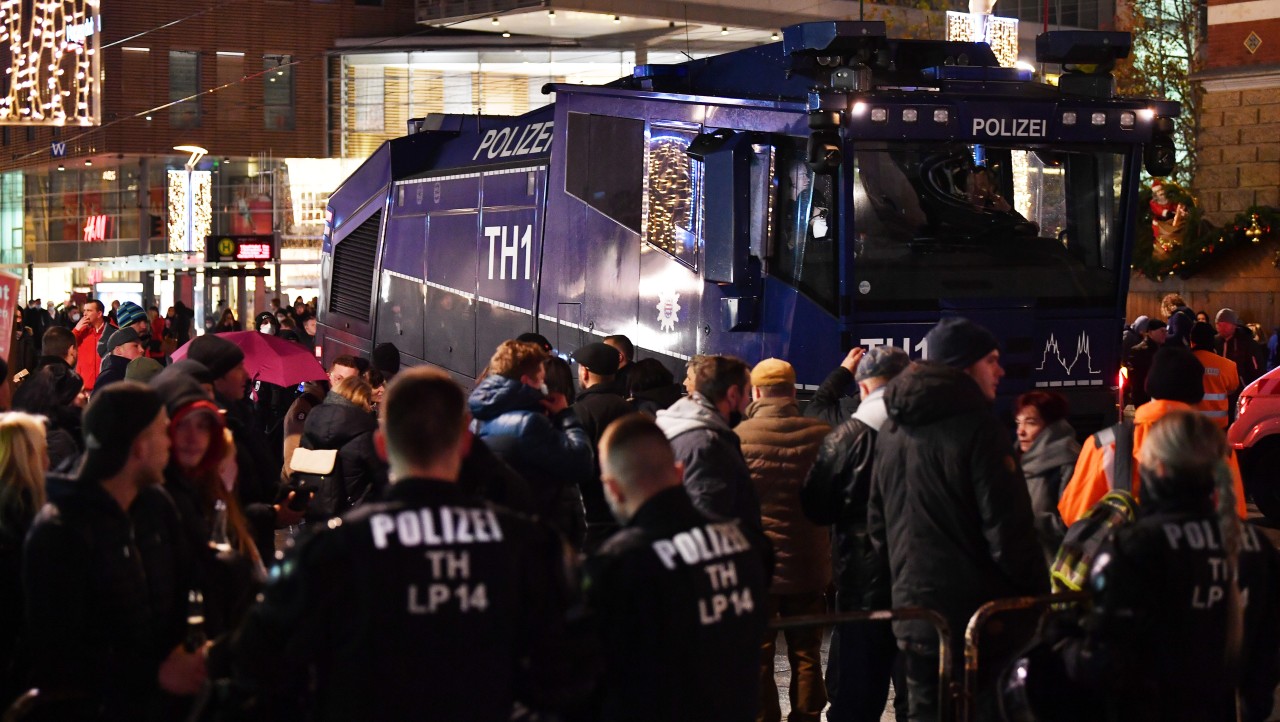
[805, 252]
[672, 186]
[605, 165]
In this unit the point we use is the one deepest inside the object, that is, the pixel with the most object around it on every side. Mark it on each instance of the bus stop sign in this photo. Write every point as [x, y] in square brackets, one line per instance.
[231, 249]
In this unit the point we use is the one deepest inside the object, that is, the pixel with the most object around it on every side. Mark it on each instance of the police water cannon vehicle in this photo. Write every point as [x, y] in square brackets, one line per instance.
[836, 188]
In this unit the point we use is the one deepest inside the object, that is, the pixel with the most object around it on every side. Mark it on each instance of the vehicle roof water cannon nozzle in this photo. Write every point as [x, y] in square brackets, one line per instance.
[834, 53]
[1087, 58]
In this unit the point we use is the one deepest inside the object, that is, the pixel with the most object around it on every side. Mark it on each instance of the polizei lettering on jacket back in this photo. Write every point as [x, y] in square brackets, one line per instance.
[1010, 127]
[1203, 536]
[451, 586]
[516, 141]
[702, 546]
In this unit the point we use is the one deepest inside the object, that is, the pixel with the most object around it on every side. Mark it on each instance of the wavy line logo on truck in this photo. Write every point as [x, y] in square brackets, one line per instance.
[1052, 351]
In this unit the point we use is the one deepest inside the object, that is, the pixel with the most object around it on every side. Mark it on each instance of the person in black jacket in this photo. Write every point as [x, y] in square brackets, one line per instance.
[949, 509]
[699, 427]
[831, 402]
[53, 392]
[22, 347]
[258, 487]
[601, 402]
[345, 422]
[123, 347]
[836, 493]
[430, 604]
[1173, 634]
[651, 387]
[677, 598]
[105, 573]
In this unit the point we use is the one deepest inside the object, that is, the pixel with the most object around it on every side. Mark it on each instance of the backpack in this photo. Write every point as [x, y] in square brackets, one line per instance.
[1070, 568]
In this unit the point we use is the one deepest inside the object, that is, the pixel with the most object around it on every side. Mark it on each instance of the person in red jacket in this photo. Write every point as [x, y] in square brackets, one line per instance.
[88, 331]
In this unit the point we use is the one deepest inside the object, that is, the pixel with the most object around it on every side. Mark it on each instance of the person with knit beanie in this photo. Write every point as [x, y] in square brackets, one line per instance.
[105, 572]
[943, 442]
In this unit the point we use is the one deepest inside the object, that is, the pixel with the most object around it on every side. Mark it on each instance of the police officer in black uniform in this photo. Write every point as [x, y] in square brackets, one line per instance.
[1174, 633]
[678, 598]
[429, 605]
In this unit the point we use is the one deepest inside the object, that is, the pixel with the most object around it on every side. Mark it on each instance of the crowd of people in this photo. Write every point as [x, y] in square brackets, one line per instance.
[585, 538]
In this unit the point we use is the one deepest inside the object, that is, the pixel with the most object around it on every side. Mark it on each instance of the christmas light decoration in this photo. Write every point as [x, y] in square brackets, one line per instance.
[53, 62]
[670, 202]
[1000, 33]
[202, 182]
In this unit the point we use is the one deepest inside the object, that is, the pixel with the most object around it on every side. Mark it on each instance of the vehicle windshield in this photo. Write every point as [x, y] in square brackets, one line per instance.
[956, 221]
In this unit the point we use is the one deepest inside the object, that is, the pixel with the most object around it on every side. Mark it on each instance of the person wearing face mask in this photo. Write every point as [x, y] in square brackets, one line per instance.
[1047, 451]
[532, 429]
[700, 429]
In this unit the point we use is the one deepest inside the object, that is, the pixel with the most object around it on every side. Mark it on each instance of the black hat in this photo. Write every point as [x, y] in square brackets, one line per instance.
[116, 416]
[599, 358]
[1202, 335]
[959, 342]
[1176, 375]
[1154, 324]
[185, 367]
[217, 354]
[537, 338]
[121, 337]
[178, 390]
[386, 358]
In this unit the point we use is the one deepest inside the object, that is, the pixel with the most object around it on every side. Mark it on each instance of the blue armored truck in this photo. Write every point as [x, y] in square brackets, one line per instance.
[836, 188]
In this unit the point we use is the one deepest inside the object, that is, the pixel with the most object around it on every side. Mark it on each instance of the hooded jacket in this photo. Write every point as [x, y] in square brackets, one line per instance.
[1091, 479]
[552, 454]
[780, 446]
[1047, 466]
[340, 424]
[949, 508]
[715, 472]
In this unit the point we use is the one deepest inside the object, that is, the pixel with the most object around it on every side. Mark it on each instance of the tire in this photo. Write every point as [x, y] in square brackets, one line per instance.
[1261, 474]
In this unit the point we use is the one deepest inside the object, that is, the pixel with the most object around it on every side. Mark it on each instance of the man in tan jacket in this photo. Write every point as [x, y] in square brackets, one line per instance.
[780, 446]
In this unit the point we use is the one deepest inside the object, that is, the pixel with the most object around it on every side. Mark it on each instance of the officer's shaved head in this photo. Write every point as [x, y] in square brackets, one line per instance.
[423, 416]
[636, 461]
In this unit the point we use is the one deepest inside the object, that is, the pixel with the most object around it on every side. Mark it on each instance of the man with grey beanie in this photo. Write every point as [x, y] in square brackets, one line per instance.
[1235, 341]
[949, 511]
[106, 574]
[835, 492]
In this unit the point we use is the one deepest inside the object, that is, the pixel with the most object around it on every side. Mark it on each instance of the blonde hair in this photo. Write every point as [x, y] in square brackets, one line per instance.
[1170, 303]
[514, 359]
[23, 458]
[357, 391]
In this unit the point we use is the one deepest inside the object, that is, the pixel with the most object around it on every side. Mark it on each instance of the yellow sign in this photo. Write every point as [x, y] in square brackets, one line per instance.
[226, 247]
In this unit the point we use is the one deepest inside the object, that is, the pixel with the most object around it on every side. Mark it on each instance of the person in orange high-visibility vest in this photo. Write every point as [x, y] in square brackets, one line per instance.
[1175, 382]
[1221, 379]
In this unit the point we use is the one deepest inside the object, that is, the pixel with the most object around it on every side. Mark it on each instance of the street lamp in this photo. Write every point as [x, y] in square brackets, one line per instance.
[197, 291]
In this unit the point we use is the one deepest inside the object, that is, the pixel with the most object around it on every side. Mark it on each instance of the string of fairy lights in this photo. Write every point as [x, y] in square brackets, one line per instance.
[53, 62]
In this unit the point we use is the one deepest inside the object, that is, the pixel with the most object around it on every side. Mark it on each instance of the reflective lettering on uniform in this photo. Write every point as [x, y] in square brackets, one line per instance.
[1205, 598]
[712, 610]
[446, 524]
[1194, 536]
[1249, 540]
[382, 525]
[450, 564]
[722, 576]
[409, 528]
[422, 527]
[666, 551]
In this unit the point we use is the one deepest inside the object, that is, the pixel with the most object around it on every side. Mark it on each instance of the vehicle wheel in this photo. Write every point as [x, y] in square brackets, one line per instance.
[1262, 478]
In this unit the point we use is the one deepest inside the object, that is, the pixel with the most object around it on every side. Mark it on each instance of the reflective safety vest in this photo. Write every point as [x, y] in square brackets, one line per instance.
[1220, 381]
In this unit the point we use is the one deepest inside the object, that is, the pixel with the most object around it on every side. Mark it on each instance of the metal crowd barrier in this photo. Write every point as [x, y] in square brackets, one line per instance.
[946, 688]
[968, 693]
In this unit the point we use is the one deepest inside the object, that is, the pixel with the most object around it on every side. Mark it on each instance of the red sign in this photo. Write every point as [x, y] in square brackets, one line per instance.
[8, 302]
[95, 228]
[253, 252]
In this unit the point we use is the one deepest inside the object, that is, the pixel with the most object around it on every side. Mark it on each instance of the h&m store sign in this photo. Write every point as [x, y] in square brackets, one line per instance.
[232, 249]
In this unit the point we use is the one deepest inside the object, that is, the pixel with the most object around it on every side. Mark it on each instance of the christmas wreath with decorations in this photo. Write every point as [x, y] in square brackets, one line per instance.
[1173, 237]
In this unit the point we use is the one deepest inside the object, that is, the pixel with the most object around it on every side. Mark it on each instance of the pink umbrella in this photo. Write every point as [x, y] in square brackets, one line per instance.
[271, 359]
